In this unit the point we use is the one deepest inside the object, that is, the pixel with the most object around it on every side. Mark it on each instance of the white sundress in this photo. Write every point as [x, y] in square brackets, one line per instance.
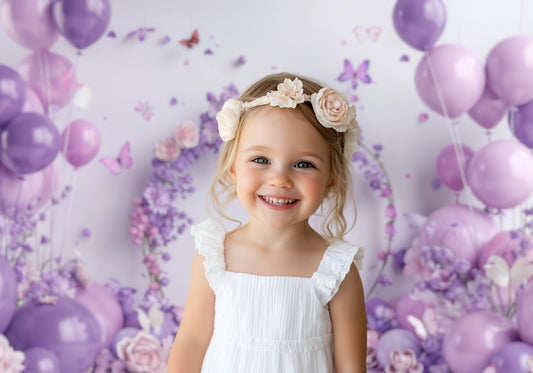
[274, 324]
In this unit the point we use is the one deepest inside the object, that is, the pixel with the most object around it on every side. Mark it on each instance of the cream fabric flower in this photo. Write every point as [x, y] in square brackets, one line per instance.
[289, 94]
[228, 119]
[332, 109]
[351, 144]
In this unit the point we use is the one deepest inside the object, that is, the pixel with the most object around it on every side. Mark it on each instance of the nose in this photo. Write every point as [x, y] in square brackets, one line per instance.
[280, 179]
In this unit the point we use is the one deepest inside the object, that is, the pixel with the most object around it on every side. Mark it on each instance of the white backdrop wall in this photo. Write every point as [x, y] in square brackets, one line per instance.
[311, 37]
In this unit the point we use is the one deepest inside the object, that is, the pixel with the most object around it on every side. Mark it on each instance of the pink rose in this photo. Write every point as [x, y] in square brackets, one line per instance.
[403, 362]
[372, 339]
[332, 110]
[11, 361]
[187, 134]
[167, 149]
[143, 353]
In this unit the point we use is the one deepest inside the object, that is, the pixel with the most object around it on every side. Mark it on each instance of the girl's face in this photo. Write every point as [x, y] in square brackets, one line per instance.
[282, 168]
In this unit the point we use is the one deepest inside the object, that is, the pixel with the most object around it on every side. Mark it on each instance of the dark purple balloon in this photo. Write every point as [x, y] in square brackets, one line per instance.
[521, 123]
[41, 360]
[127, 332]
[12, 94]
[81, 22]
[29, 143]
[8, 293]
[419, 23]
[68, 329]
[512, 358]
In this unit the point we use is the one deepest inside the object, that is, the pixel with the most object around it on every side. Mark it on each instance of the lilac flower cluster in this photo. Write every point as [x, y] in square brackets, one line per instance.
[156, 221]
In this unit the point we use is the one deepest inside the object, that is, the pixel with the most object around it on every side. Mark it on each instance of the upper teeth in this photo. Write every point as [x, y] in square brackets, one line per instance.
[278, 201]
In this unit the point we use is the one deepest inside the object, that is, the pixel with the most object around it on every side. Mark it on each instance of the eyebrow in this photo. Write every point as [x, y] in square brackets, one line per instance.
[261, 148]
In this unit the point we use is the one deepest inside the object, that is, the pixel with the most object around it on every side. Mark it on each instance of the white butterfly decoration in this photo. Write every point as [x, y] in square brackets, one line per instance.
[153, 320]
[498, 271]
[427, 325]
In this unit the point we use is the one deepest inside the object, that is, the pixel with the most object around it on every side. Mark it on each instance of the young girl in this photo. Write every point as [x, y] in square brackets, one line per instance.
[274, 295]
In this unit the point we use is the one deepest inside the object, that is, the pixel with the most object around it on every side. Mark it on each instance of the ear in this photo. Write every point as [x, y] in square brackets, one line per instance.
[232, 174]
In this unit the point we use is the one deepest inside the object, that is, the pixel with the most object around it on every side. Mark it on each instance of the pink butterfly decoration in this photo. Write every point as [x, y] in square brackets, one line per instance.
[123, 161]
[427, 325]
[356, 76]
[140, 33]
[146, 110]
[372, 33]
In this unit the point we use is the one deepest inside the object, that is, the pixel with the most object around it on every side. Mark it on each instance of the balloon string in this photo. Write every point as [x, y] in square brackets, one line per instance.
[44, 72]
[455, 141]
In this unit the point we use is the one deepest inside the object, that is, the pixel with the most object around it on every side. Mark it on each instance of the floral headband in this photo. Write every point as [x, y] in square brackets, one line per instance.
[331, 108]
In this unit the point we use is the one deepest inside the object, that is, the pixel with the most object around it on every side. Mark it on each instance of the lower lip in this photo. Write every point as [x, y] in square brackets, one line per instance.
[278, 207]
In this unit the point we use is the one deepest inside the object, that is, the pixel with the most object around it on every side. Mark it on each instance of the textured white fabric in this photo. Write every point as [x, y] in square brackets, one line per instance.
[275, 324]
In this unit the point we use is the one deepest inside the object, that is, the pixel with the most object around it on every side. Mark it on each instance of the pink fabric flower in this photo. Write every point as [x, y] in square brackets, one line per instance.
[143, 353]
[403, 362]
[372, 339]
[11, 361]
[167, 149]
[187, 134]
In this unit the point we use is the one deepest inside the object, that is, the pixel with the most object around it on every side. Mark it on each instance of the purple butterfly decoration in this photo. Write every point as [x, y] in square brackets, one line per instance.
[123, 161]
[356, 76]
[140, 33]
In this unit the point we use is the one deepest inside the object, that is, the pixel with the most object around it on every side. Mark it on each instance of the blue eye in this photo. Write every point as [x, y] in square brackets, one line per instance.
[260, 160]
[304, 164]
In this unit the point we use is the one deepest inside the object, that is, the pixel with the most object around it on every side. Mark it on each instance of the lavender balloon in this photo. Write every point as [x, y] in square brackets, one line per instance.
[450, 79]
[509, 67]
[524, 314]
[501, 174]
[29, 143]
[489, 110]
[513, 358]
[473, 338]
[419, 23]
[396, 339]
[449, 168]
[8, 293]
[80, 142]
[68, 329]
[127, 332]
[29, 23]
[41, 360]
[81, 22]
[12, 94]
[521, 123]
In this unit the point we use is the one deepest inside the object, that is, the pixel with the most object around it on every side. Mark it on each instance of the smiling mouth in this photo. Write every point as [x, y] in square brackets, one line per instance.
[278, 201]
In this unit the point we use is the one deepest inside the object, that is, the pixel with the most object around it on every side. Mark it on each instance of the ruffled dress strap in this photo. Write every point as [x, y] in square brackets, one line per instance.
[209, 238]
[333, 268]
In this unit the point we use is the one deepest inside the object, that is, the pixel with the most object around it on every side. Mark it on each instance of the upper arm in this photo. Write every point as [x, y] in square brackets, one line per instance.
[348, 317]
[196, 325]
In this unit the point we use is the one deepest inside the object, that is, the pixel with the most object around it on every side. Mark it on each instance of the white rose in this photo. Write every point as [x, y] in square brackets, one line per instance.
[11, 361]
[228, 119]
[289, 94]
[142, 353]
[332, 109]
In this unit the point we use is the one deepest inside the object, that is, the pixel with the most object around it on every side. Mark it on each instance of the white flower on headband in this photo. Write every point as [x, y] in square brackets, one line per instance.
[289, 94]
[350, 141]
[228, 119]
[332, 109]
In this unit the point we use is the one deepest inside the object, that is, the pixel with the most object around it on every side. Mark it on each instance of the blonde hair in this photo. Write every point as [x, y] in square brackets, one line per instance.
[334, 224]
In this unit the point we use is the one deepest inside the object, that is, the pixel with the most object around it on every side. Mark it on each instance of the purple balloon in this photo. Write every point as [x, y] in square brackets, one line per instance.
[28, 193]
[409, 306]
[419, 23]
[509, 68]
[450, 79]
[8, 293]
[521, 123]
[105, 307]
[12, 94]
[68, 329]
[489, 110]
[512, 358]
[473, 338]
[127, 332]
[29, 143]
[51, 76]
[41, 360]
[80, 142]
[461, 228]
[29, 23]
[81, 22]
[449, 168]
[396, 339]
[524, 313]
[501, 174]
